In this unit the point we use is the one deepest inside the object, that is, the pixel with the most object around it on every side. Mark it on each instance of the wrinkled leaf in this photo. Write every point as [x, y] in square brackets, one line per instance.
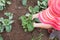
[23, 19]
[30, 27]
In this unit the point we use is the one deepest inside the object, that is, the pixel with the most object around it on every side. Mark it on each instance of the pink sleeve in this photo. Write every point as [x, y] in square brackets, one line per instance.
[50, 2]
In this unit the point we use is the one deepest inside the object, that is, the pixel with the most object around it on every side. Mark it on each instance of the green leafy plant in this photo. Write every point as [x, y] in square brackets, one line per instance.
[41, 5]
[3, 3]
[24, 2]
[27, 23]
[6, 23]
[33, 10]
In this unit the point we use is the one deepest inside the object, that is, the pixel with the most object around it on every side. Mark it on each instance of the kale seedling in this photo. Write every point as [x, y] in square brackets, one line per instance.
[3, 3]
[27, 23]
[6, 23]
[41, 5]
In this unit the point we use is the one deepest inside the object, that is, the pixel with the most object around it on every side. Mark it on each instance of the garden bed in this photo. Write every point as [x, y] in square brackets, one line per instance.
[17, 32]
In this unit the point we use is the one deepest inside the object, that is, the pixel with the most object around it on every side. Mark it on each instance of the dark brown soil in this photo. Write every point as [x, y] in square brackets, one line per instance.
[17, 32]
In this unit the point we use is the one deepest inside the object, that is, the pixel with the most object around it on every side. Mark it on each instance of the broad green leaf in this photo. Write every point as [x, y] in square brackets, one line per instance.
[1, 28]
[36, 9]
[11, 21]
[10, 17]
[30, 9]
[24, 2]
[23, 19]
[26, 21]
[30, 27]
[8, 28]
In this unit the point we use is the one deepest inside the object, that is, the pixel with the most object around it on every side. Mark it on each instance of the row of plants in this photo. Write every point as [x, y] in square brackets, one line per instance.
[5, 23]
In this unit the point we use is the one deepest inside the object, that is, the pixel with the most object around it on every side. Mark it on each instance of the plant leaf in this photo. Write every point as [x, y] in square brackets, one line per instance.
[8, 28]
[1, 19]
[30, 27]
[11, 21]
[36, 9]
[1, 28]
[24, 2]
[30, 9]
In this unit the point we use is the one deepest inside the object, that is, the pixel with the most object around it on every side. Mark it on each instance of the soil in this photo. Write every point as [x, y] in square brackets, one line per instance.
[17, 32]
